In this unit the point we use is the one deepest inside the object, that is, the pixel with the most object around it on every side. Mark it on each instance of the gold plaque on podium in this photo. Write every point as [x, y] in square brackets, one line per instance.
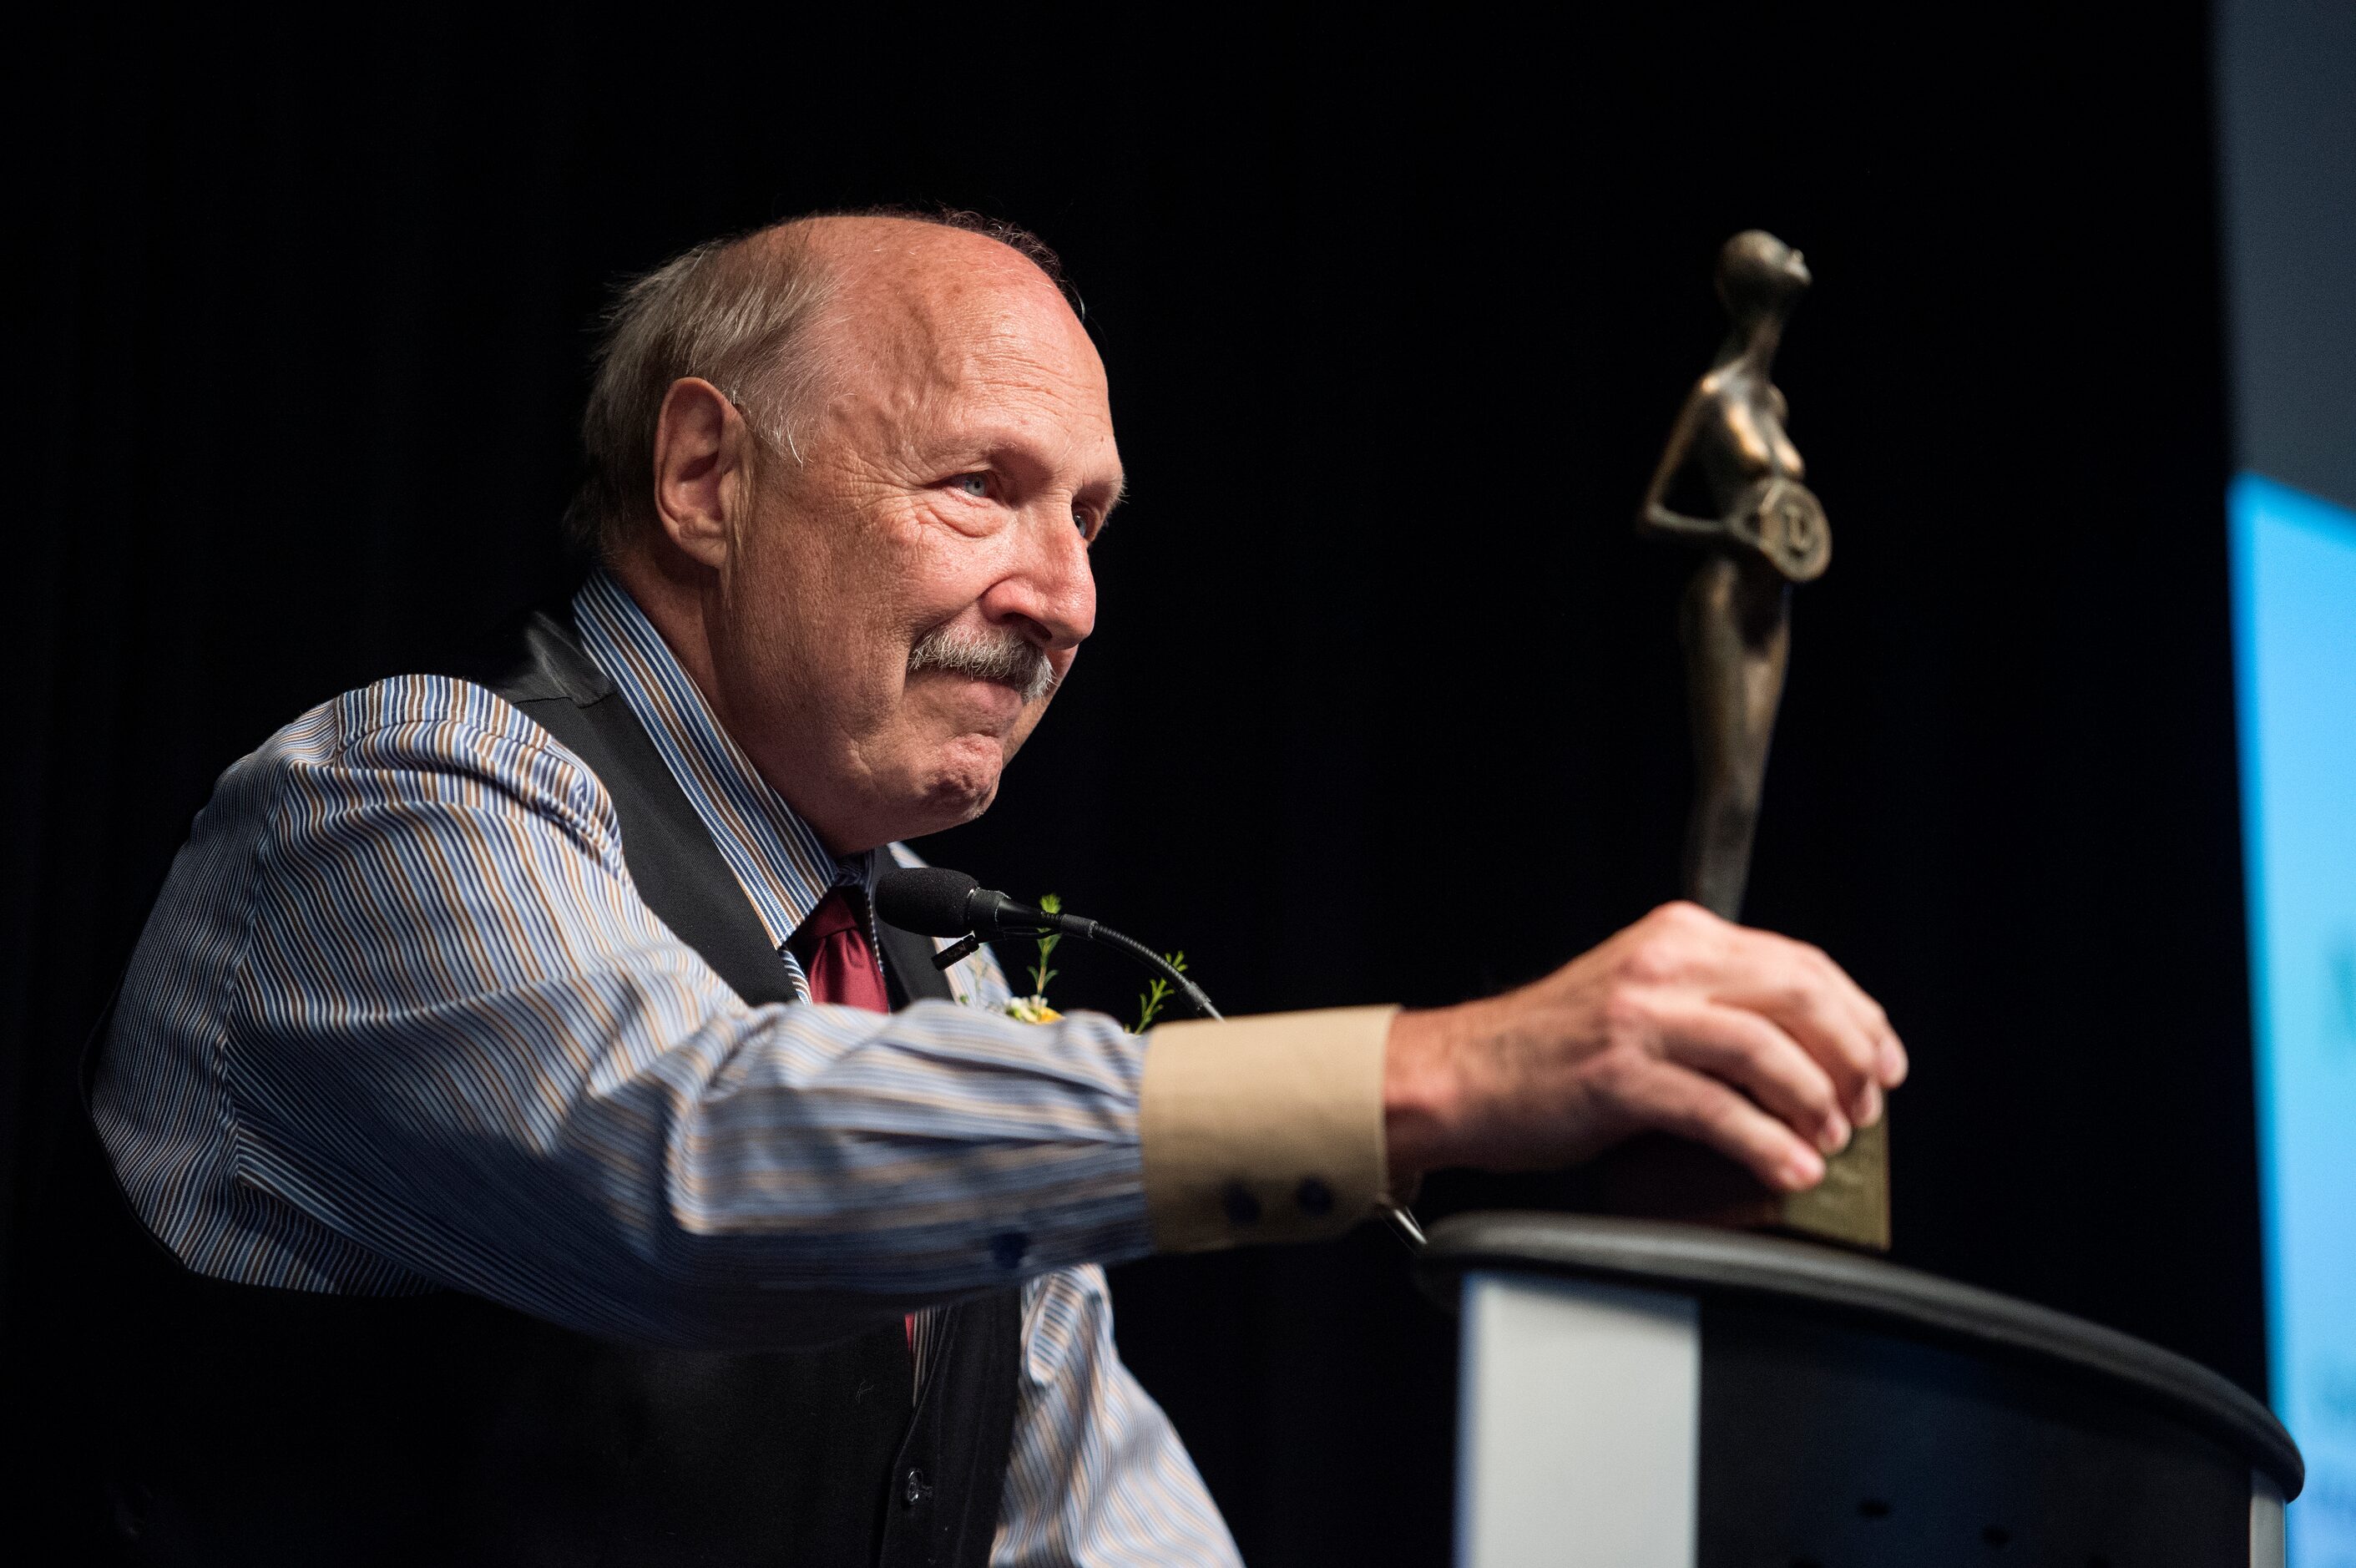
[1659, 1178]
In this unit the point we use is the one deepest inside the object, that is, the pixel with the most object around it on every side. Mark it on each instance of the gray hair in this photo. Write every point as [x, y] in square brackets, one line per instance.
[996, 654]
[736, 312]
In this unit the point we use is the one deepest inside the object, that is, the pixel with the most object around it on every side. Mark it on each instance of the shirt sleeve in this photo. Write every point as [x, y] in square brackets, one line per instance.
[1096, 1479]
[439, 1026]
[457, 1035]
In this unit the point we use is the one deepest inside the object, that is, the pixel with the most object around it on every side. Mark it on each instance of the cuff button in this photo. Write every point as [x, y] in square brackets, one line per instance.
[1315, 1198]
[1241, 1206]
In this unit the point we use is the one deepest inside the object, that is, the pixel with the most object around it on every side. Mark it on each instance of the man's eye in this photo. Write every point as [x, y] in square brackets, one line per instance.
[976, 485]
[1085, 522]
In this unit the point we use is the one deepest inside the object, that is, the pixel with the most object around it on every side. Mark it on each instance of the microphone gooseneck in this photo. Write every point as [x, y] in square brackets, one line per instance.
[935, 901]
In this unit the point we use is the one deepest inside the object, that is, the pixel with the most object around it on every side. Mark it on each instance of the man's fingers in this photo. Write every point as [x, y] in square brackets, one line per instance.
[1889, 1052]
[1742, 1048]
[1794, 984]
[1808, 996]
[1689, 1105]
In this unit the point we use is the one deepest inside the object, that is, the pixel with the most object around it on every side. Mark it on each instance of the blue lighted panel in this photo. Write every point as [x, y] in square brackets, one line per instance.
[2295, 631]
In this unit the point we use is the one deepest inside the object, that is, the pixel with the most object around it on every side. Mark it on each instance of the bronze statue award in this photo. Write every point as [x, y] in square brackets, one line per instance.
[1769, 532]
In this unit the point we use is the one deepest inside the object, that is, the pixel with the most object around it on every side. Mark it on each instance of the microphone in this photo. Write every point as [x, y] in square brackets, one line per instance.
[934, 901]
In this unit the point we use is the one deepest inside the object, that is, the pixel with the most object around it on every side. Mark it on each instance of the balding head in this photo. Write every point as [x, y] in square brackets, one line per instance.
[739, 312]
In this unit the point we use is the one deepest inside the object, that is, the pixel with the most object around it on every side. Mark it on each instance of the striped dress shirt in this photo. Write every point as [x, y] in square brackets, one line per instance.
[400, 1022]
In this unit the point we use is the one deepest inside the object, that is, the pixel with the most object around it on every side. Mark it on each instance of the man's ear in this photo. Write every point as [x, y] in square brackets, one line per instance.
[702, 468]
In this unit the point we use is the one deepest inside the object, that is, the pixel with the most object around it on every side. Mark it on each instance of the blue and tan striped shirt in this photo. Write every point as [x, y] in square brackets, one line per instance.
[400, 1023]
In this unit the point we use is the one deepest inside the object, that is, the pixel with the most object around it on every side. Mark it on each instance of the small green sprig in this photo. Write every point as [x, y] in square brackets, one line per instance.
[1158, 992]
[1040, 973]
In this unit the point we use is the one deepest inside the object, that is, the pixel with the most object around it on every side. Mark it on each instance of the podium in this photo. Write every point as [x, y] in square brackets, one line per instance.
[1651, 1395]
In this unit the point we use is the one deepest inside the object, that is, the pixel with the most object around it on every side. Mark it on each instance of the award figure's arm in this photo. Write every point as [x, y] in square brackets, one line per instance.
[1657, 517]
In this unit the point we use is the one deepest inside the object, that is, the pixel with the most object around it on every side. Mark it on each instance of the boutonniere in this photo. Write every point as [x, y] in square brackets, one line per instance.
[1035, 1009]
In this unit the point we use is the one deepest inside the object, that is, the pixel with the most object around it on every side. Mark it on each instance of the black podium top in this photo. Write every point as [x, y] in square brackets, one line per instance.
[1692, 1261]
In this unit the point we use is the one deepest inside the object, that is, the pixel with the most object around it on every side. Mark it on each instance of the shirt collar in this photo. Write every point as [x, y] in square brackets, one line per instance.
[776, 857]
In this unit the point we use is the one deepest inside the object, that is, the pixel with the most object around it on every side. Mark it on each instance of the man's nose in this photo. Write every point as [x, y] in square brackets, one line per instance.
[1052, 586]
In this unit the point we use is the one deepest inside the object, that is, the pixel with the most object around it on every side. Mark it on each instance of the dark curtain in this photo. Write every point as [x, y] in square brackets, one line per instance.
[1387, 703]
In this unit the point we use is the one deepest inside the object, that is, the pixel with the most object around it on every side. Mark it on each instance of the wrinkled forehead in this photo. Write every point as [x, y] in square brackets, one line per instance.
[940, 311]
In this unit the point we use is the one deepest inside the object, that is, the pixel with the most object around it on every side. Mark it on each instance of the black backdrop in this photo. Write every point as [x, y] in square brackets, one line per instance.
[1386, 702]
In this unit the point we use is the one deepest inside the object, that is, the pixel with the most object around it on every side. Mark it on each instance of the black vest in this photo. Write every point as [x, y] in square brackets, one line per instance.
[250, 1425]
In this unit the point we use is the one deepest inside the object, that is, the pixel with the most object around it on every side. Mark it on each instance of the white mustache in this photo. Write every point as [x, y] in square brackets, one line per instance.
[1001, 656]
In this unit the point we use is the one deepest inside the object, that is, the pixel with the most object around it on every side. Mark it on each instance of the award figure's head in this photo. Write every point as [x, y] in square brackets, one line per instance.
[1760, 277]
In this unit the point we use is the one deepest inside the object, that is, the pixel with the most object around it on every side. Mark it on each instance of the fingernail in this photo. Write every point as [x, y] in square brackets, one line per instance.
[1893, 1064]
[1836, 1135]
[1805, 1170]
[1868, 1105]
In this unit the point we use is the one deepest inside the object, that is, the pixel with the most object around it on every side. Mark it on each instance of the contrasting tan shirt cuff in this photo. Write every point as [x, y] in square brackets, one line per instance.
[1267, 1128]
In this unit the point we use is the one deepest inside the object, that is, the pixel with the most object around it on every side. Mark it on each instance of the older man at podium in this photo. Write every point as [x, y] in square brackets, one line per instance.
[528, 1149]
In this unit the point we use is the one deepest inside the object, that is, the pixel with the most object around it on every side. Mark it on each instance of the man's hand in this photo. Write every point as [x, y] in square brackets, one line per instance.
[1753, 1044]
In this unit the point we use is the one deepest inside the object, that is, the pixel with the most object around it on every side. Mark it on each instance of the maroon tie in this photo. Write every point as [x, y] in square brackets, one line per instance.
[834, 952]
